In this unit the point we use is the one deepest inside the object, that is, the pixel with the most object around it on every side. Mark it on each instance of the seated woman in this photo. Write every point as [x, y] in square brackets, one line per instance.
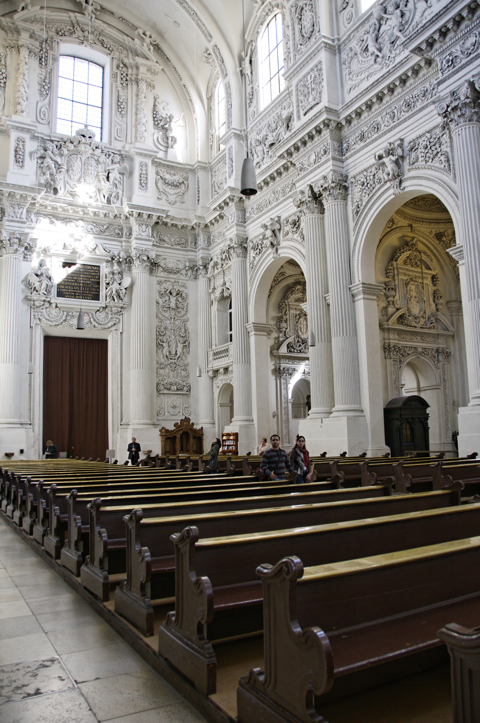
[300, 461]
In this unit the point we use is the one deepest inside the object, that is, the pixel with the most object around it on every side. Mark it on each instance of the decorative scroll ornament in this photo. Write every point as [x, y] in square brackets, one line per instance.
[22, 81]
[122, 102]
[462, 107]
[143, 176]
[309, 89]
[264, 138]
[48, 313]
[460, 53]
[3, 80]
[40, 282]
[172, 185]
[380, 39]
[44, 84]
[81, 169]
[304, 23]
[172, 337]
[163, 137]
[432, 149]
[219, 177]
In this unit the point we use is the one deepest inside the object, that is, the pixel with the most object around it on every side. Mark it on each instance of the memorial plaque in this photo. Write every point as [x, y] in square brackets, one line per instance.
[82, 282]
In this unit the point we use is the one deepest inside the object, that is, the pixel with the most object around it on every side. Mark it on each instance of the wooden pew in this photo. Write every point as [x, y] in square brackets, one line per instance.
[464, 648]
[378, 619]
[227, 564]
[94, 572]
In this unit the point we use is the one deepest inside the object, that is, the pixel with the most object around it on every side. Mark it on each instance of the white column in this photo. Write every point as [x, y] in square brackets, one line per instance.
[462, 111]
[261, 379]
[321, 363]
[205, 382]
[11, 249]
[142, 336]
[342, 316]
[241, 344]
[370, 357]
[242, 421]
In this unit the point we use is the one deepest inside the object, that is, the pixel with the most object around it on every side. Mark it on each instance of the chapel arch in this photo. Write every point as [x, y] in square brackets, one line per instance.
[225, 407]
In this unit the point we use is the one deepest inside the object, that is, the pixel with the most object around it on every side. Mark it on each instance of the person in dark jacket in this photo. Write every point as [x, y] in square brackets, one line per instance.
[275, 460]
[134, 450]
[300, 460]
[50, 450]
[213, 455]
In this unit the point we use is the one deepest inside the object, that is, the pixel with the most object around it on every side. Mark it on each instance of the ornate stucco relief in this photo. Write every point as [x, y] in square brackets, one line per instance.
[172, 337]
[171, 184]
[269, 132]
[432, 149]
[309, 90]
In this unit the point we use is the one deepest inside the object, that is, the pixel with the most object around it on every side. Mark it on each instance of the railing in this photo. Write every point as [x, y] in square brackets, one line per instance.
[220, 356]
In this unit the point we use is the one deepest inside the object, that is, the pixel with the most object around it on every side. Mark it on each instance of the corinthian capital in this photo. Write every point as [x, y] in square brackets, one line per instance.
[239, 247]
[334, 186]
[309, 202]
[16, 245]
[463, 105]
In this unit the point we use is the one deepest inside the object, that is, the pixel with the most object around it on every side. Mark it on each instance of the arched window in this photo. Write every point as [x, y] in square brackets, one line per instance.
[220, 109]
[271, 61]
[79, 96]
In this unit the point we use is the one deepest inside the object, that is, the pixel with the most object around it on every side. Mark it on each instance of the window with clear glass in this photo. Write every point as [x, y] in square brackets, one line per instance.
[271, 61]
[220, 109]
[80, 96]
[366, 4]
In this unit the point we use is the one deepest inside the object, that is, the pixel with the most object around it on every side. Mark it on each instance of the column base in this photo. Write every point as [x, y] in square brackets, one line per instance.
[468, 430]
[337, 434]
[246, 435]
[15, 437]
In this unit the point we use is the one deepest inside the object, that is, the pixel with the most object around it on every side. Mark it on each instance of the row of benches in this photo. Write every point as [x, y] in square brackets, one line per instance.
[219, 606]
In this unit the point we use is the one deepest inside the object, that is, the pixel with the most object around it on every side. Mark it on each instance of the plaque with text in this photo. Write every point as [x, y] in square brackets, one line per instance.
[82, 282]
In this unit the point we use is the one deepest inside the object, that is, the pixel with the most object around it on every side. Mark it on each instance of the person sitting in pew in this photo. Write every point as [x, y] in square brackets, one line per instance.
[275, 460]
[50, 450]
[300, 461]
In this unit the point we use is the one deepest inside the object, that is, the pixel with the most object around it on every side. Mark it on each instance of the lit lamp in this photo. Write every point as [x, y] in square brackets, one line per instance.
[248, 178]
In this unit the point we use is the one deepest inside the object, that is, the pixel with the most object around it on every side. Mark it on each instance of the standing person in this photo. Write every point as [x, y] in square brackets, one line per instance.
[263, 446]
[275, 460]
[213, 455]
[300, 459]
[134, 450]
[50, 450]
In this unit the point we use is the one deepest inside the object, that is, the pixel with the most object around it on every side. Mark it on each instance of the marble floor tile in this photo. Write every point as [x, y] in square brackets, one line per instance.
[44, 591]
[28, 647]
[68, 706]
[24, 680]
[103, 662]
[17, 627]
[174, 713]
[66, 619]
[85, 638]
[68, 601]
[6, 582]
[41, 577]
[3, 572]
[23, 566]
[123, 695]
[10, 595]
[14, 609]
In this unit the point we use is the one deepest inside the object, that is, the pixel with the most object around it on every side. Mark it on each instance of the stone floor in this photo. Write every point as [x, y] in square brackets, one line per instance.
[60, 662]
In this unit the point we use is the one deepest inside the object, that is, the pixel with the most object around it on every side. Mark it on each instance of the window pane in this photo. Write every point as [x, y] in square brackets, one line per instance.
[271, 60]
[82, 84]
[366, 4]
[81, 70]
[66, 66]
[80, 92]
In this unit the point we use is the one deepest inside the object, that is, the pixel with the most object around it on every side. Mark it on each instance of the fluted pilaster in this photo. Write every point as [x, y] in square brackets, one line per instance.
[205, 383]
[342, 316]
[462, 112]
[321, 364]
[10, 299]
[141, 391]
[241, 344]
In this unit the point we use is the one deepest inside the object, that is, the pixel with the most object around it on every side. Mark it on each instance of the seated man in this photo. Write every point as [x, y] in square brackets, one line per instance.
[50, 450]
[275, 461]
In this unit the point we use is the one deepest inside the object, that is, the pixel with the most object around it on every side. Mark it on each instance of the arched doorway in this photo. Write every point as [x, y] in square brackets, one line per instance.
[300, 404]
[225, 407]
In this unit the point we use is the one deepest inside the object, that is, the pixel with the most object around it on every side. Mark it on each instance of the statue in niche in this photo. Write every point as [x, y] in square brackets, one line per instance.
[115, 285]
[40, 281]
